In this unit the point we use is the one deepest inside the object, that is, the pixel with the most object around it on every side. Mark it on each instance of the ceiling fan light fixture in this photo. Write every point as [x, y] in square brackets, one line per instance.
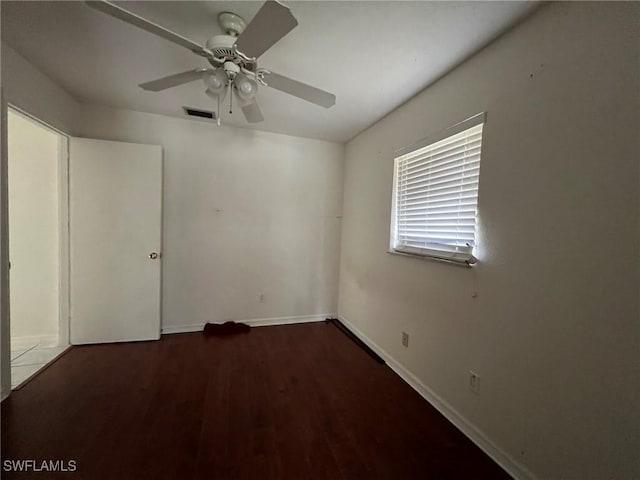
[247, 87]
[216, 81]
[233, 57]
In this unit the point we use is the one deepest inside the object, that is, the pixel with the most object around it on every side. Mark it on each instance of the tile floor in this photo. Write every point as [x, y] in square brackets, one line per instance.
[27, 360]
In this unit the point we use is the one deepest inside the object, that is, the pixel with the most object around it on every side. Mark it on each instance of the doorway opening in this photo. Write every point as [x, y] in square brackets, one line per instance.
[38, 244]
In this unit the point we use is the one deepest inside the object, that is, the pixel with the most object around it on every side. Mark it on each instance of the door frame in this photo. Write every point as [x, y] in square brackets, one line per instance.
[64, 289]
[5, 327]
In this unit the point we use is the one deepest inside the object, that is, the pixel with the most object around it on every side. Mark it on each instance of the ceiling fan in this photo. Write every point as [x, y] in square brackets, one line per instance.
[233, 57]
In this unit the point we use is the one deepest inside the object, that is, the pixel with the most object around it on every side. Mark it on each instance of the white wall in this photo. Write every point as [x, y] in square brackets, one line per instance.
[33, 228]
[31, 91]
[554, 330]
[245, 213]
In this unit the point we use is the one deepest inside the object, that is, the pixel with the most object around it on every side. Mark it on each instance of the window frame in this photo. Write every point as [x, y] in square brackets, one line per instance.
[452, 254]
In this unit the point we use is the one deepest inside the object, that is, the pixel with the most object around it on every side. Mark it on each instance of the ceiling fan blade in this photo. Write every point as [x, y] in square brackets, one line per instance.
[252, 112]
[300, 90]
[126, 16]
[272, 22]
[250, 109]
[173, 80]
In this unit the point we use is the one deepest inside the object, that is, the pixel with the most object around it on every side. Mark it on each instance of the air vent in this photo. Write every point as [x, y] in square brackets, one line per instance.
[196, 112]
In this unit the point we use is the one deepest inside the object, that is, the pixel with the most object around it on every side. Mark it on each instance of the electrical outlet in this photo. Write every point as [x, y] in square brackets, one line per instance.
[262, 298]
[405, 339]
[474, 382]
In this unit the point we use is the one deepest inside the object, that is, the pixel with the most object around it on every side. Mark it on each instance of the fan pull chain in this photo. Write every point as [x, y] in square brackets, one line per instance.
[218, 110]
[230, 99]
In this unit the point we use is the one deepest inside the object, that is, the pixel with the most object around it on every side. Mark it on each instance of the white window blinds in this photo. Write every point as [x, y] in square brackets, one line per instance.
[435, 196]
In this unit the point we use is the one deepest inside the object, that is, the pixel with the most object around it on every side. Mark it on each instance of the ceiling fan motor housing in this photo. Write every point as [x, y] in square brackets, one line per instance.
[231, 23]
[222, 47]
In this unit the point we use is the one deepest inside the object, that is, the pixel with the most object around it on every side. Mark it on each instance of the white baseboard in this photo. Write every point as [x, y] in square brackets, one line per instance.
[18, 343]
[502, 458]
[253, 322]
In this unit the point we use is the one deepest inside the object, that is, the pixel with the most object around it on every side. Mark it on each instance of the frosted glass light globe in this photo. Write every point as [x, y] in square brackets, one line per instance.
[247, 87]
[215, 80]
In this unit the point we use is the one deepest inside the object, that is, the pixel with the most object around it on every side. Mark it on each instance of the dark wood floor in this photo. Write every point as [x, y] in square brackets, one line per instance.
[288, 402]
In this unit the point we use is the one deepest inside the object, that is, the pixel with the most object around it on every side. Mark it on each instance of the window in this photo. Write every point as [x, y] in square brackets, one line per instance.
[435, 194]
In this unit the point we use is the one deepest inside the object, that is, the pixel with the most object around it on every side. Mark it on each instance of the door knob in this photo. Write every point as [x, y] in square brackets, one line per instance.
[153, 255]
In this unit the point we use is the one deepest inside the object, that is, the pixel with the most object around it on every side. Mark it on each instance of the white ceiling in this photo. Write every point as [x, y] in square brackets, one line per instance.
[373, 56]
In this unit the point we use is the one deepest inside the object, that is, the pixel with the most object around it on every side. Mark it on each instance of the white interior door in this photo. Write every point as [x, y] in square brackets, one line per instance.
[115, 222]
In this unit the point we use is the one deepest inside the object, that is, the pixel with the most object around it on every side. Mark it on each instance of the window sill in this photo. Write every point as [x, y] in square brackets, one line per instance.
[433, 258]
